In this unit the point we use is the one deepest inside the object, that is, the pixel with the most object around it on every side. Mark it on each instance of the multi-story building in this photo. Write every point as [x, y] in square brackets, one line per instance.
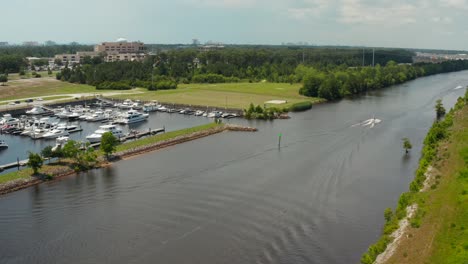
[115, 56]
[121, 46]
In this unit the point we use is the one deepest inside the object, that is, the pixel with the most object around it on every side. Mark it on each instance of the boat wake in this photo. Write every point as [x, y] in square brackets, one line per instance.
[369, 122]
[458, 87]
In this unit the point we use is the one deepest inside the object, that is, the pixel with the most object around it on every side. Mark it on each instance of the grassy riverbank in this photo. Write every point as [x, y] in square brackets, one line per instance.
[442, 236]
[437, 229]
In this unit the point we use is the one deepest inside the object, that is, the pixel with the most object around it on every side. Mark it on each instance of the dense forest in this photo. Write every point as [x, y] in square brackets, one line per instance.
[344, 81]
[275, 64]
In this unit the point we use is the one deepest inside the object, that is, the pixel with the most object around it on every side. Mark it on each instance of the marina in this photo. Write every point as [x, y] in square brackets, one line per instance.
[32, 132]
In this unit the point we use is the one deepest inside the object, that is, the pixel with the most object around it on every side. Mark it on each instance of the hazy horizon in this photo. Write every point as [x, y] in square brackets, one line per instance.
[438, 24]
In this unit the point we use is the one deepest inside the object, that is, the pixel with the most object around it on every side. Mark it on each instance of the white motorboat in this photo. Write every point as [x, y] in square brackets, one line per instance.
[60, 142]
[3, 144]
[55, 133]
[132, 116]
[215, 114]
[127, 104]
[36, 110]
[97, 116]
[162, 109]
[199, 113]
[7, 119]
[151, 107]
[97, 135]
[38, 133]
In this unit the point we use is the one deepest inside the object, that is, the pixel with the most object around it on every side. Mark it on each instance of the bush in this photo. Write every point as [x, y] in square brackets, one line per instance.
[301, 106]
[213, 78]
[113, 86]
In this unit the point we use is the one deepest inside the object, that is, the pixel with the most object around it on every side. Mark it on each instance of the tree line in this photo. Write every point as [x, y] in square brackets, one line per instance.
[343, 81]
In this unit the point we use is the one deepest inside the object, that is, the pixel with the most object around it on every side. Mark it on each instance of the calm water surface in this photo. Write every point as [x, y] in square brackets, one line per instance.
[235, 197]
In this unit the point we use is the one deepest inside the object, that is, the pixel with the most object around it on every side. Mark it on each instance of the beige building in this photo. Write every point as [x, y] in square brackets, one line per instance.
[120, 47]
[115, 56]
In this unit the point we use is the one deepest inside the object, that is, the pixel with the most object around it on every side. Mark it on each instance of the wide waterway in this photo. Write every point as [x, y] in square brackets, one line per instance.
[235, 197]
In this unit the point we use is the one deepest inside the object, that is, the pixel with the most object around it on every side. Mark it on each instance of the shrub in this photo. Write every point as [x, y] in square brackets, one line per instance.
[301, 106]
[113, 86]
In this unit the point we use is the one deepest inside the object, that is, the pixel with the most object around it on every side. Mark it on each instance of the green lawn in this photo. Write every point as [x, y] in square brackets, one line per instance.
[231, 95]
[14, 175]
[40, 87]
[162, 137]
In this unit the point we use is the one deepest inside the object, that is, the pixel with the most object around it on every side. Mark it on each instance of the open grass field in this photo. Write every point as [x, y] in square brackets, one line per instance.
[28, 75]
[40, 87]
[230, 95]
[443, 234]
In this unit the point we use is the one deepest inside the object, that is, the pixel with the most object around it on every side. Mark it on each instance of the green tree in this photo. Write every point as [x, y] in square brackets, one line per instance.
[407, 145]
[35, 162]
[108, 143]
[3, 79]
[49, 72]
[440, 110]
[47, 152]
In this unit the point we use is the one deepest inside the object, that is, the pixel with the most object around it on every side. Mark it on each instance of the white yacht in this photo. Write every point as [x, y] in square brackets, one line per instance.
[55, 133]
[97, 135]
[3, 144]
[133, 116]
[151, 107]
[215, 114]
[162, 109]
[36, 110]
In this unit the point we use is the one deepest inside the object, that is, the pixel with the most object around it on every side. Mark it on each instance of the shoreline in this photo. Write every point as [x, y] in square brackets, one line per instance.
[18, 184]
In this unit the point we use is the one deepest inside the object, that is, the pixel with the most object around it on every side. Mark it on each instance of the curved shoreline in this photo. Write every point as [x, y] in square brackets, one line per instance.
[19, 184]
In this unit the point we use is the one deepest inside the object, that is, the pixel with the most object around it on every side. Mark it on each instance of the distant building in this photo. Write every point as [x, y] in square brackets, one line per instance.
[121, 46]
[30, 43]
[115, 56]
[211, 46]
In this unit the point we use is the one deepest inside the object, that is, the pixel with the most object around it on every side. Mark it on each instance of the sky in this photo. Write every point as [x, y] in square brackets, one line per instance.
[438, 24]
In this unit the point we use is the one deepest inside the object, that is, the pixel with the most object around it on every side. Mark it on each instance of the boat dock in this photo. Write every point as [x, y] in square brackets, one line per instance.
[13, 165]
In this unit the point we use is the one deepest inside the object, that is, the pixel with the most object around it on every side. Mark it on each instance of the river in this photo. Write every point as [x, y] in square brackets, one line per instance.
[236, 197]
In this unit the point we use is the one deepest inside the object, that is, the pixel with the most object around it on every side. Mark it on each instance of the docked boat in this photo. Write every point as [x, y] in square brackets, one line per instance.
[199, 113]
[162, 109]
[3, 144]
[132, 116]
[172, 110]
[97, 116]
[126, 104]
[60, 142]
[97, 135]
[36, 110]
[215, 114]
[55, 133]
[151, 107]
[7, 119]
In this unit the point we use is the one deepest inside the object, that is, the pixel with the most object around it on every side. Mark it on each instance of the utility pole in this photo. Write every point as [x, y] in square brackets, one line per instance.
[373, 57]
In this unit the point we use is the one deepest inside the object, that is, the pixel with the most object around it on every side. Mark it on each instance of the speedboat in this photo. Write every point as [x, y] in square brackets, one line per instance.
[55, 133]
[215, 114]
[97, 135]
[133, 116]
[3, 144]
[36, 110]
[199, 113]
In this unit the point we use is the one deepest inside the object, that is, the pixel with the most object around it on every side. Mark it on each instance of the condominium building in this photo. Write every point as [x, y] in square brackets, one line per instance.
[120, 47]
[115, 56]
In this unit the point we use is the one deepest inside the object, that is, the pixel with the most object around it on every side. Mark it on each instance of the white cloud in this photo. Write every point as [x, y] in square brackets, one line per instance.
[442, 20]
[460, 4]
[388, 13]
